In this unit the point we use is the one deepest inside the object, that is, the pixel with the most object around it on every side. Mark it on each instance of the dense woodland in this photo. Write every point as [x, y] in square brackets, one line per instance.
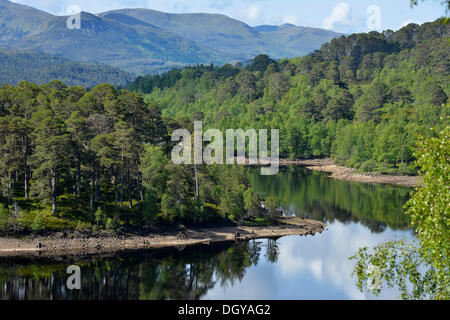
[99, 158]
[360, 99]
[36, 67]
[71, 158]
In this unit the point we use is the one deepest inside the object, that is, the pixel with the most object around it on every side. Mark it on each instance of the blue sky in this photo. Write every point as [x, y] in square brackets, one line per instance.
[342, 16]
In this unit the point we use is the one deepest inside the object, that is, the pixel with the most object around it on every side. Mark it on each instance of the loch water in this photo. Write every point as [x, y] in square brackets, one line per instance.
[295, 267]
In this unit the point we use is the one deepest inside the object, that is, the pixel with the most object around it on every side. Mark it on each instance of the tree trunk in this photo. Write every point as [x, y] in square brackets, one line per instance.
[98, 194]
[196, 182]
[9, 187]
[121, 187]
[141, 193]
[78, 179]
[130, 192]
[25, 165]
[91, 200]
[54, 207]
[26, 183]
[116, 196]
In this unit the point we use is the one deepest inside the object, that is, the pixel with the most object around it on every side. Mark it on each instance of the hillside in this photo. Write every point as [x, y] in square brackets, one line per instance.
[361, 99]
[78, 159]
[235, 38]
[17, 66]
[18, 21]
[144, 41]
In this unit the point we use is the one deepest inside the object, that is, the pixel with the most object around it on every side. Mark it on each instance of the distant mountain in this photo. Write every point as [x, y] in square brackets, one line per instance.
[144, 41]
[295, 40]
[18, 21]
[232, 37]
[16, 66]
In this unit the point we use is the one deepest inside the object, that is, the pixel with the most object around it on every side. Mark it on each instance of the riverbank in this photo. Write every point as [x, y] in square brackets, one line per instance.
[84, 245]
[352, 175]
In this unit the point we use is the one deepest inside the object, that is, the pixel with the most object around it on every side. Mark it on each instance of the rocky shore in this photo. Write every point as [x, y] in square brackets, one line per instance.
[350, 174]
[71, 244]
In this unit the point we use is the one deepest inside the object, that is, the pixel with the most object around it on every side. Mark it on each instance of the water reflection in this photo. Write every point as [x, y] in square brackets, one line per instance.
[288, 268]
[313, 195]
[310, 268]
[161, 274]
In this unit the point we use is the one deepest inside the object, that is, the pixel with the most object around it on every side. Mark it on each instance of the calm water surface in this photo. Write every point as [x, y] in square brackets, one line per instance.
[312, 267]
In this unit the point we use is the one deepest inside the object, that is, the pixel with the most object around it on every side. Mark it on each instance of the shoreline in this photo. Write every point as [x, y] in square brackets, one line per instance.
[91, 245]
[349, 174]
[52, 246]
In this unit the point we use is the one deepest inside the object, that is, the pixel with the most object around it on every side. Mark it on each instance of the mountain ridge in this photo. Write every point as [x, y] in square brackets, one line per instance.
[148, 41]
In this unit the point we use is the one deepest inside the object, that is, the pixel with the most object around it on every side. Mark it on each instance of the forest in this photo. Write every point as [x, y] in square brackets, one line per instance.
[76, 159]
[72, 158]
[36, 67]
[361, 99]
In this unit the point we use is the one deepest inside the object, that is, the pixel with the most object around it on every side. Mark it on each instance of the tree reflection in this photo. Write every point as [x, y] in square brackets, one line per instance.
[313, 195]
[162, 274]
[272, 251]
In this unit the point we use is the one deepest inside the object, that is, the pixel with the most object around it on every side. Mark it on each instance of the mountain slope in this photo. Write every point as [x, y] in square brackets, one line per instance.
[43, 68]
[295, 40]
[212, 30]
[17, 21]
[137, 48]
[144, 41]
[234, 37]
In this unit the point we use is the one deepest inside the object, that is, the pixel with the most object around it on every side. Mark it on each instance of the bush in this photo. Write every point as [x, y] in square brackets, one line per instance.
[3, 217]
[99, 216]
[112, 223]
[150, 207]
[38, 224]
[272, 204]
[368, 166]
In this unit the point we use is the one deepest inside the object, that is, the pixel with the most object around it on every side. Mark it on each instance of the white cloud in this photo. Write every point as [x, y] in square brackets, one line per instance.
[373, 21]
[291, 20]
[73, 9]
[341, 14]
[254, 11]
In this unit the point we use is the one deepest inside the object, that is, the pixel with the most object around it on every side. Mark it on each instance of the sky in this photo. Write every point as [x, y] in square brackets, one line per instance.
[341, 16]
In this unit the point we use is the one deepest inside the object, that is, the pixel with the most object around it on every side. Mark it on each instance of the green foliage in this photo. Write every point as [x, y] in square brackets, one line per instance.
[258, 222]
[150, 207]
[360, 99]
[37, 223]
[401, 266]
[112, 223]
[3, 217]
[234, 182]
[100, 216]
[272, 205]
[153, 168]
[252, 203]
[425, 265]
[39, 68]
[429, 208]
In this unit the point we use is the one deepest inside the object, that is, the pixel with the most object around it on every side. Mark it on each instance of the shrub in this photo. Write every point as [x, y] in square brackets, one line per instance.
[37, 224]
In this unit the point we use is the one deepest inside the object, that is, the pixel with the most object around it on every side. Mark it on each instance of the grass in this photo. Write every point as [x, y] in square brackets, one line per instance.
[37, 218]
[257, 222]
